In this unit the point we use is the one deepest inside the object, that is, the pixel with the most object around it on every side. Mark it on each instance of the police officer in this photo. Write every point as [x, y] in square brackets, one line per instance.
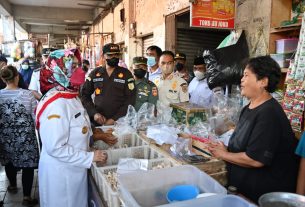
[172, 88]
[146, 91]
[180, 67]
[199, 91]
[113, 87]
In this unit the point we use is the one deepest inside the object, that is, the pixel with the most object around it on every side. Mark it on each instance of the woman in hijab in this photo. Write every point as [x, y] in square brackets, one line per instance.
[26, 72]
[65, 131]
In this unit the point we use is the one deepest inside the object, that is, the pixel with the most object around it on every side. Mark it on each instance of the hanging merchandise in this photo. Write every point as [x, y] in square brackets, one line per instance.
[225, 65]
[16, 51]
[294, 98]
[29, 50]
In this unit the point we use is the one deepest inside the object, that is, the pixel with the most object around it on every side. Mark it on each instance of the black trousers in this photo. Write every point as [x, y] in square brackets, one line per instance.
[27, 178]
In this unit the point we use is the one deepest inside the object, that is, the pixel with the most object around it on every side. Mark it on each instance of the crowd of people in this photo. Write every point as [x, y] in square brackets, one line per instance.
[71, 101]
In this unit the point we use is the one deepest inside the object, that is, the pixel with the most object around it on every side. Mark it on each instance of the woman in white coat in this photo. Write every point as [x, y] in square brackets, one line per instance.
[65, 131]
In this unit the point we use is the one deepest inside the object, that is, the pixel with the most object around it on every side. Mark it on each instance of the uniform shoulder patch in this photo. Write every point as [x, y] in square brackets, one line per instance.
[54, 116]
[184, 87]
[131, 86]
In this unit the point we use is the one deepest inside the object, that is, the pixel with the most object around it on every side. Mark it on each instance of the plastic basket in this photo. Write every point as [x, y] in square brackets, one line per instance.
[140, 152]
[111, 195]
[127, 140]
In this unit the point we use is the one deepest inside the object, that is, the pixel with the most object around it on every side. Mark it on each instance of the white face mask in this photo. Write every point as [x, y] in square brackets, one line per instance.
[167, 69]
[199, 75]
[25, 67]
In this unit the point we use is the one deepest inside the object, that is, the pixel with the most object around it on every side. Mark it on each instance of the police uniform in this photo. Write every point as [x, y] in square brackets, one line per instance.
[146, 90]
[112, 93]
[173, 89]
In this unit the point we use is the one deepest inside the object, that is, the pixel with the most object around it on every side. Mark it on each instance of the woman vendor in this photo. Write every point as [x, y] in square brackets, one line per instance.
[260, 155]
[65, 131]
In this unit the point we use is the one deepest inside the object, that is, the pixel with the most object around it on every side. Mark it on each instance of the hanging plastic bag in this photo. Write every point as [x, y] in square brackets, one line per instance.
[225, 65]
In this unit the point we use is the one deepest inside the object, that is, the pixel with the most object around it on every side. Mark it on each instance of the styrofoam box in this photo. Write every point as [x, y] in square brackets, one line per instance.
[286, 45]
[127, 140]
[110, 195]
[149, 188]
[215, 201]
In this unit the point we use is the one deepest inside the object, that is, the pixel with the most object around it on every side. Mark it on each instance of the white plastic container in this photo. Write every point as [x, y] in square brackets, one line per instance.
[128, 140]
[111, 195]
[214, 201]
[286, 45]
[148, 189]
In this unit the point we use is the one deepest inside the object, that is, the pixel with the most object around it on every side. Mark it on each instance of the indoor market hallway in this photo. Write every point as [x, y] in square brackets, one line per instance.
[15, 200]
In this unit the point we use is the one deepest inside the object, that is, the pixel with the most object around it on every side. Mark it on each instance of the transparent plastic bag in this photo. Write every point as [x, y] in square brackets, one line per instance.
[182, 147]
[164, 115]
[126, 124]
[146, 116]
[128, 165]
[163, 134]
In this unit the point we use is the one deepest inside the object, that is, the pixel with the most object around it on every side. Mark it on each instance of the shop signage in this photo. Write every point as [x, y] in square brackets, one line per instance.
[219, 14]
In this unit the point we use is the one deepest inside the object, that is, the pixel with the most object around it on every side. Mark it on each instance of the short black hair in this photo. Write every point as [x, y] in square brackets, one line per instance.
[265, 66]
[155, 48]
[86, 62]
[3, 59]
[167, 52]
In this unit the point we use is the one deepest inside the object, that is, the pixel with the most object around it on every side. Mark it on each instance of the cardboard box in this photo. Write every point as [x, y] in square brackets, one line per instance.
[188, 113]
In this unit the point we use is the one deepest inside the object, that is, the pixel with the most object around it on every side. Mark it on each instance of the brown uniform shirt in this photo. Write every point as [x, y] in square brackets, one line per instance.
[112, 94]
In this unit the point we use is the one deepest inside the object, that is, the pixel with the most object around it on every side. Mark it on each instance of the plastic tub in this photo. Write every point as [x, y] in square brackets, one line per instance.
[150, 188]
[109, 193]
[286, 45]
[214, 201]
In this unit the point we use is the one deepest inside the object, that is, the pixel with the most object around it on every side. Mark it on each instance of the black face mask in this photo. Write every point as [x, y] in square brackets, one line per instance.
[139, 73]
[113, 62]
[85, 68]
[179, 66]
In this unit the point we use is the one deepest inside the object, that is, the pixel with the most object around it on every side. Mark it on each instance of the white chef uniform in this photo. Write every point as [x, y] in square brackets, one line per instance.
[65, 132]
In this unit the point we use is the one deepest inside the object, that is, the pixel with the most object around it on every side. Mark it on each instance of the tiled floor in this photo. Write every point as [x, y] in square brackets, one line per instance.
[15, 200]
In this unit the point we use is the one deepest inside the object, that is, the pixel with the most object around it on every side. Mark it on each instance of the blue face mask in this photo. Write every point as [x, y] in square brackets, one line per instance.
[151, 61]
[60, 77]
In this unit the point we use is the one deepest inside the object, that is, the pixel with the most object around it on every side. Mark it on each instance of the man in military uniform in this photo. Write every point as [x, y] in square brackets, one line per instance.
[113, 86]
[180, 68]
[172, 88]
[146, 91]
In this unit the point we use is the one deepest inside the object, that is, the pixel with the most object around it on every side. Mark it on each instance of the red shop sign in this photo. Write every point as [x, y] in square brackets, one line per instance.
[218, 14]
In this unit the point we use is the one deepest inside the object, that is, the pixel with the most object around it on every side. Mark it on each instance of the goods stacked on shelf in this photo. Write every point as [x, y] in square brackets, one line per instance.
[294, 98]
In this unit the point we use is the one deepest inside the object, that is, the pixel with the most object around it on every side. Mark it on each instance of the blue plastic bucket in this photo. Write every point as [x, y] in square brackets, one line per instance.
[182, 193]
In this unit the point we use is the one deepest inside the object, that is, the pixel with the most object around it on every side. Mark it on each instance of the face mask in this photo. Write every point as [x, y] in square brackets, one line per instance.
[25, 67]
[167, 69]
[179, 66]
[68, 66]
[60, 77]
[151, 61]
[85, 68]
[113, 62]
[199, 75]
[139, 73]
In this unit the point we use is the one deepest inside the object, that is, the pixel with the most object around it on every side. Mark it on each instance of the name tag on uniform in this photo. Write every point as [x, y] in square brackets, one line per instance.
[173, 91]
[97, 79]
[119, 80]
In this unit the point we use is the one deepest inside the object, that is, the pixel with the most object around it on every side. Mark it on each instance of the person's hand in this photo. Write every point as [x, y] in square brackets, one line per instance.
[100, 156]
[107, 136]
[217, 149]
[99, 118]
[109, 122]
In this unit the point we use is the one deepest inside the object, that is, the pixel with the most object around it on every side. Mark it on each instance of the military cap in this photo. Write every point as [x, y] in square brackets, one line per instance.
[180, 56]
[199, 61]
[111, 49]
[47, 51]
[139, 61]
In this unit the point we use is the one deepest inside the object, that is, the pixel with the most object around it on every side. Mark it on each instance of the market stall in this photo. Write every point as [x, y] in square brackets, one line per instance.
[146, 144]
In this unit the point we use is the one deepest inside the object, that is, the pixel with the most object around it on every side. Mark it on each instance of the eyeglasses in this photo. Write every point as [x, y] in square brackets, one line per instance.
[167, 63]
